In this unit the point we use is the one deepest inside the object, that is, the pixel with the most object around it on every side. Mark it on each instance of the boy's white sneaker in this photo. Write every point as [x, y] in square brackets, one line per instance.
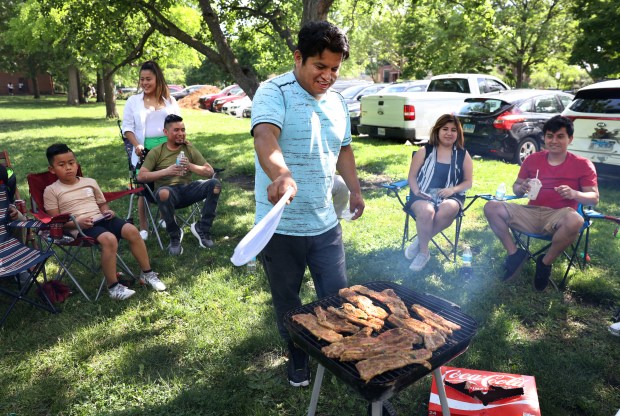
[152, 280]
[120, 292]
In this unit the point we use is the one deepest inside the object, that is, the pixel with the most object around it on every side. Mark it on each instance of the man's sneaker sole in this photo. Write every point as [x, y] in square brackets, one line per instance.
[195, 233]
[304, 383]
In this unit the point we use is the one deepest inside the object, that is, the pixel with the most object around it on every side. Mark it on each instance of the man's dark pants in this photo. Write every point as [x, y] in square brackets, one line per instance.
[285, 258]
[181, 196]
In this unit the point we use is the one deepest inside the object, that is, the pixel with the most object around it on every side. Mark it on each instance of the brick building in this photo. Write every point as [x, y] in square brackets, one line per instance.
[46, 84]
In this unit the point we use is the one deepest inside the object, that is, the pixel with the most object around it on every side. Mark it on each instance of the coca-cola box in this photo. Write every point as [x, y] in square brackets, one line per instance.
[485, 393]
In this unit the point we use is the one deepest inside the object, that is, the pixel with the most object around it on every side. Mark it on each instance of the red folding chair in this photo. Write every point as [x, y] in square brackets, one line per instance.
[69, 247]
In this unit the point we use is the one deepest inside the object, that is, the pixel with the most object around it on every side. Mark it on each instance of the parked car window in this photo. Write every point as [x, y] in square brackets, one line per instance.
[566, 100]
[493, 85]
[482, 85]
[597, 101]
[450, 85]
[526, 106]
[547, 104]
[417, 88]
[478, 106]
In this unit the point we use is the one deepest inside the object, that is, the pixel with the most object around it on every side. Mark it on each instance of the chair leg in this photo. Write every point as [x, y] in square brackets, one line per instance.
[153, 224]
[457, 234]
[405, 232]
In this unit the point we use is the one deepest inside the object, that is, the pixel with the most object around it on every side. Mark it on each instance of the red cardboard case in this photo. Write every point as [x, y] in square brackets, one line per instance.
[479, 383]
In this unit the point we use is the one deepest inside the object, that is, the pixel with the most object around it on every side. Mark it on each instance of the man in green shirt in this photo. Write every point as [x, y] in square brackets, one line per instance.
[175, 187]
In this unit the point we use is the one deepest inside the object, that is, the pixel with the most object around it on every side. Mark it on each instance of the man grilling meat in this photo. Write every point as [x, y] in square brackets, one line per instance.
[301, 136]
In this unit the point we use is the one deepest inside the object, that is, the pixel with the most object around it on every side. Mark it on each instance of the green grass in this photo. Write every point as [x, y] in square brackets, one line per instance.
[208, 346]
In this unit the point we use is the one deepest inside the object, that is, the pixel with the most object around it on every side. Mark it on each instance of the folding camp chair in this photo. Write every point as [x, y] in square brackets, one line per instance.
[524, 241]
[393, 189]
[69, 247]
[590, 214]
[20, 265]
[193, 210]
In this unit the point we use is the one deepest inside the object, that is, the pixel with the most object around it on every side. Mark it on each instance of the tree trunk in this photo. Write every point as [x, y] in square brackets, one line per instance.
[100, 88]
[315, 10]
[519, 73]
[110, 97]
[81, 89]
[35, 86]
[74, 86]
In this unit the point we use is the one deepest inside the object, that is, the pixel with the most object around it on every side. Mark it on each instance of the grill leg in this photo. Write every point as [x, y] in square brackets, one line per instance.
[316, 389]
[377, 408]
[441, 392]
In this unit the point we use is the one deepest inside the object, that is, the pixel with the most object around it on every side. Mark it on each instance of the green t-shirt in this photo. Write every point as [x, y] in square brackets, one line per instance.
[161, 157]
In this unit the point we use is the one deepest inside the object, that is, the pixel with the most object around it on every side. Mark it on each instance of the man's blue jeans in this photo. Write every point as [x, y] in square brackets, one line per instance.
[181, 196]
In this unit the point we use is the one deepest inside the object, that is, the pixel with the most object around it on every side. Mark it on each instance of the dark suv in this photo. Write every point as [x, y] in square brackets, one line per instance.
[508, 124]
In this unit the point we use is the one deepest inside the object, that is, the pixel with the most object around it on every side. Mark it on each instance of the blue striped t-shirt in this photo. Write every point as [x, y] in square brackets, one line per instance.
[311, 134]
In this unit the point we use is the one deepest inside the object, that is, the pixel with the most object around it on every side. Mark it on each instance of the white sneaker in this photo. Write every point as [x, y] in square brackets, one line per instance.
[419, 262]
[162, 224]
[412, 249]
[144, 234]
[120, 292]
[152, 280]
[614, 329]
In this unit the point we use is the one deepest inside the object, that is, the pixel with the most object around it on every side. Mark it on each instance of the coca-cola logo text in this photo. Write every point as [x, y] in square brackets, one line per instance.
[484, 381]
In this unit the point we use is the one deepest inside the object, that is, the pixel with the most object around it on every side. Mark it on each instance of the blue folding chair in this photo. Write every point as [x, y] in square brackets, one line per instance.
[393, 189]
[523, 240]
[20, 265]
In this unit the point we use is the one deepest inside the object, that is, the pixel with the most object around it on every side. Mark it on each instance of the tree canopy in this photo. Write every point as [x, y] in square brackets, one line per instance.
[223, 41]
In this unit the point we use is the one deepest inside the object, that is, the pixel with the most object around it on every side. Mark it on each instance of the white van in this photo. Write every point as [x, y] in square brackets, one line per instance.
[595, 112]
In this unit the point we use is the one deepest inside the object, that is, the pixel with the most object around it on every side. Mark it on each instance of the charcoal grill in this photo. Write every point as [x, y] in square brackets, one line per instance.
[385, 385]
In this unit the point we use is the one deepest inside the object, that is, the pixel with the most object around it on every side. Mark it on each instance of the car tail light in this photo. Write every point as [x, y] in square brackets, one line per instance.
[506, 120]
[409, 112]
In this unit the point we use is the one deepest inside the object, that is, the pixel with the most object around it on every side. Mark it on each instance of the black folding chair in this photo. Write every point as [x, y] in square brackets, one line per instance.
[20, 265]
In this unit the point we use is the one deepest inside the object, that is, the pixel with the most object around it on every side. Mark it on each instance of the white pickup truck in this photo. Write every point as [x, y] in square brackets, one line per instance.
[411, 115]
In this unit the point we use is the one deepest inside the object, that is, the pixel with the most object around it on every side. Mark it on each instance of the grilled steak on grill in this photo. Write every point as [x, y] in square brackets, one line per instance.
[412, 324]
[310, 322]
[388, 297]
[434, 341]
[358, 347]
[386, 362]
[426, 313]
[394, 340]
[335, 349]
[357, 316]
[363, 303]
[334, 322]
[387, 351]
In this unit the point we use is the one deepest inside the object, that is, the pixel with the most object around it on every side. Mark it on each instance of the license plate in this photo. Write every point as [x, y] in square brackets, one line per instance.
[468, 128]
[380, 131]
[605, 145]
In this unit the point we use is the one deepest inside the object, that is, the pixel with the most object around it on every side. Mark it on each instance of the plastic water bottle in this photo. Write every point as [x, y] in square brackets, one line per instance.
[467, 257]
[180, 157]
[466, 267]
[251, 266]
[500, 194]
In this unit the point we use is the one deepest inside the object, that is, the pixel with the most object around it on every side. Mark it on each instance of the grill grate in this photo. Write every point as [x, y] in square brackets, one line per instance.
[383, 386]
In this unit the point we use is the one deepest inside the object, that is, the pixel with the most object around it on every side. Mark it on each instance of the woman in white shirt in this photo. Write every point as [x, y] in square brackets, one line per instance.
[143, 120]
